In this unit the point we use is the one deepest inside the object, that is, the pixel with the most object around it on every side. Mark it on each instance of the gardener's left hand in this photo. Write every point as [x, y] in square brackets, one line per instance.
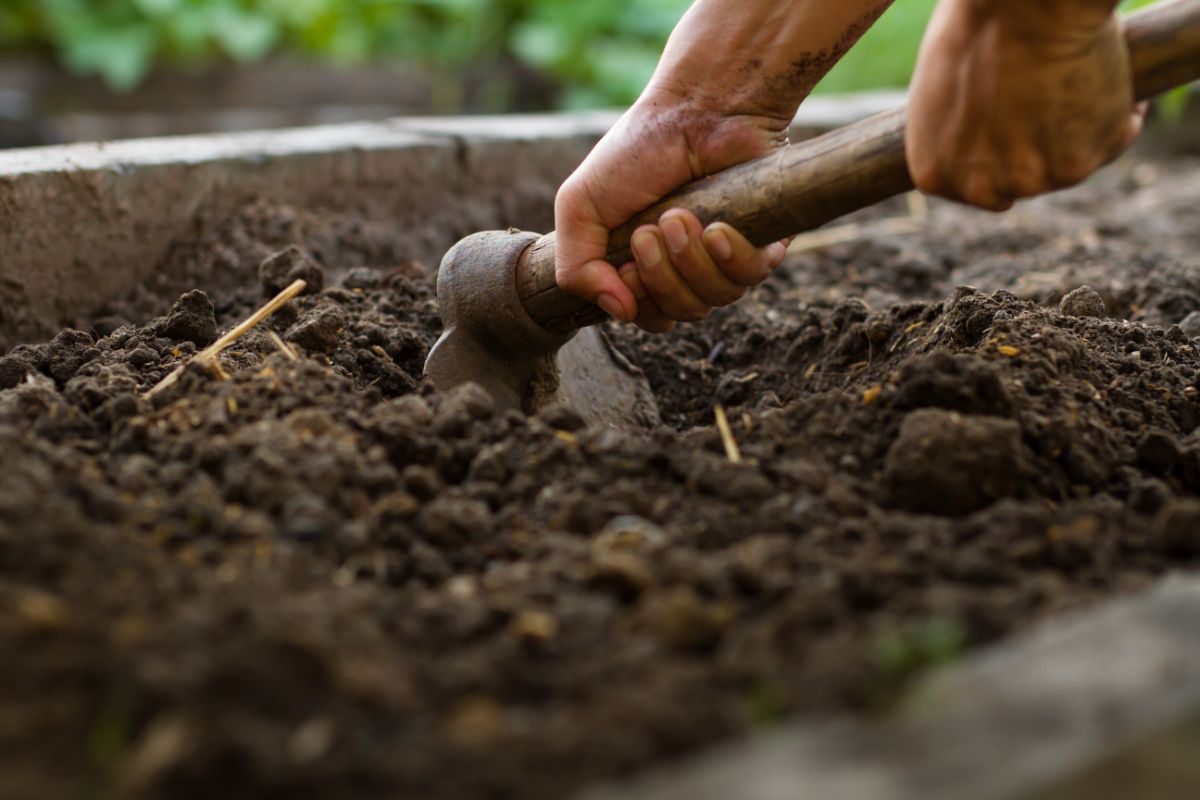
[1012, 99]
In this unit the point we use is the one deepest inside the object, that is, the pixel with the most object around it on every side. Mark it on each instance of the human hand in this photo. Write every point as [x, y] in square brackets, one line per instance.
[682, 269]
[1013, 99]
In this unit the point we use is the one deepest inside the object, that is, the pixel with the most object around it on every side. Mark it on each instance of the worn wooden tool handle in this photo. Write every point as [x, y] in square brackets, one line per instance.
[803, 186]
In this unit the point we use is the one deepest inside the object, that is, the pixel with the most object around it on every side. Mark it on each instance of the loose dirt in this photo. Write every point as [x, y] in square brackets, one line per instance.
[315, 579]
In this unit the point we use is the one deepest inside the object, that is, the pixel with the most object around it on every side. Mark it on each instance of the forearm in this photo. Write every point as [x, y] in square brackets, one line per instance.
[759, 57]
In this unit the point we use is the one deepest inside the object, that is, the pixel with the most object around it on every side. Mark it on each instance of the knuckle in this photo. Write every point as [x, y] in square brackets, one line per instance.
[928, 178]
[683, 310]
[980, 190]
[1072, 170]
[719, 296]
[567, 277]
[728, 297]
[980, 196]
[751, 273]
[566, 195]
[1025, 180]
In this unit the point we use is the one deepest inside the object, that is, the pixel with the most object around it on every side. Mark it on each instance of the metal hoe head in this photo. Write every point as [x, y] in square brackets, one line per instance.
[490, 340]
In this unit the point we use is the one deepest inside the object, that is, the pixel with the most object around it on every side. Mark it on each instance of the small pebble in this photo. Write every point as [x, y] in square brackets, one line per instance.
[361, 278]
[1083, 302]
[628, 533]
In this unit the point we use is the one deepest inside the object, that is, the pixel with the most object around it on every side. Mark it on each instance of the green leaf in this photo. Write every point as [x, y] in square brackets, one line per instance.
[244, 36]
[121, 57]
[158, 8]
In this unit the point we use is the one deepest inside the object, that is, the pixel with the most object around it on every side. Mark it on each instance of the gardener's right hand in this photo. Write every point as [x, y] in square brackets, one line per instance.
[682, 270]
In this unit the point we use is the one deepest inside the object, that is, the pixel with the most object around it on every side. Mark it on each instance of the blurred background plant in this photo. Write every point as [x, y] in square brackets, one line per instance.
[597, 53]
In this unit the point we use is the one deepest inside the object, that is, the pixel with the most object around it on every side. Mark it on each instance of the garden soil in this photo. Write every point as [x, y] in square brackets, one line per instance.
[310, 577]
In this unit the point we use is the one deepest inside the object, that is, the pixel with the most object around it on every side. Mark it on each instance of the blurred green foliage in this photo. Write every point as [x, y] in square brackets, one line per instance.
[601, 52]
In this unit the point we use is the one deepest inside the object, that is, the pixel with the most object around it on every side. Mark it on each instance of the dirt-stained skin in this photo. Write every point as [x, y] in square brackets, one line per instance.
[806, 69]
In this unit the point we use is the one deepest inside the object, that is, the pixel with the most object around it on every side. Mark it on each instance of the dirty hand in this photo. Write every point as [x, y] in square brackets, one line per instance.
[728, 86]
[1012, 99]
[683, 269]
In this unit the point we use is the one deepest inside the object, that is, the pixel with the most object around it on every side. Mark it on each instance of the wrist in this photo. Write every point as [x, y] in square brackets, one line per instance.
[735, 84]
[667, 111]
[758, 58]
[1044, 17]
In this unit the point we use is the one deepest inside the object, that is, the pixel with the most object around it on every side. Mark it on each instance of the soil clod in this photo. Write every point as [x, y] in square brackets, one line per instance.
[282, 269]
[318, 330]
[191, 319]
[947, 463]
[1083, 302]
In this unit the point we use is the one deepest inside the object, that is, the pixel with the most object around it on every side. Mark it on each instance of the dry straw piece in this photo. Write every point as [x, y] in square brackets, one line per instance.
[213, 350]
[731, 446]
[283, 346]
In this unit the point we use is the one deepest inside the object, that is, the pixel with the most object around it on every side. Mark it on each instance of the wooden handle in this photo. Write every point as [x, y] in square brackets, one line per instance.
[804, 186]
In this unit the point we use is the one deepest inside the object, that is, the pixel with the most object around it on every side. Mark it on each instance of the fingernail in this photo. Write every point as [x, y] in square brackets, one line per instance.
[645, 246]
[611, 307]
[777, 253]
[676, 233]
[718, 242]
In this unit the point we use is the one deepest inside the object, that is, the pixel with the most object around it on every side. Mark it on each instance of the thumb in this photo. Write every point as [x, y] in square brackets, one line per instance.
[598, 282]
[580, 244]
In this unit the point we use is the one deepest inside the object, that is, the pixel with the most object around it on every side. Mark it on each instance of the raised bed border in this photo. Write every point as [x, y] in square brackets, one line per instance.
[1005, 723]
[83, 224]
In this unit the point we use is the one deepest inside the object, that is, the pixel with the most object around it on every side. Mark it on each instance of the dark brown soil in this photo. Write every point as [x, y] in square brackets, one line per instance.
[316, 579]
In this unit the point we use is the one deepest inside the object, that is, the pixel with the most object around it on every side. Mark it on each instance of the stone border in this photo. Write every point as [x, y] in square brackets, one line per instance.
[82, 224]
[1005, 722]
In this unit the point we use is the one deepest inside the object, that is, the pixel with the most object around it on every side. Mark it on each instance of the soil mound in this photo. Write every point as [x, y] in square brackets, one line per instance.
[315, 578]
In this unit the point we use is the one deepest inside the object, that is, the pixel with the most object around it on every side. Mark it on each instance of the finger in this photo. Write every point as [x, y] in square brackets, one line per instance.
[1026, 175]
[629, 274]
[980, 190]
[599, 282]
[985, 178]
[579, 266]
[1137, 121]
[776, 253]
[686, 245]
[650, 316]
[738, 259]
[661, 280]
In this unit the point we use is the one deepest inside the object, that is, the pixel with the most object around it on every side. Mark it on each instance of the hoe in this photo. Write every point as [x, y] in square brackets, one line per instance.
[512, 330]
